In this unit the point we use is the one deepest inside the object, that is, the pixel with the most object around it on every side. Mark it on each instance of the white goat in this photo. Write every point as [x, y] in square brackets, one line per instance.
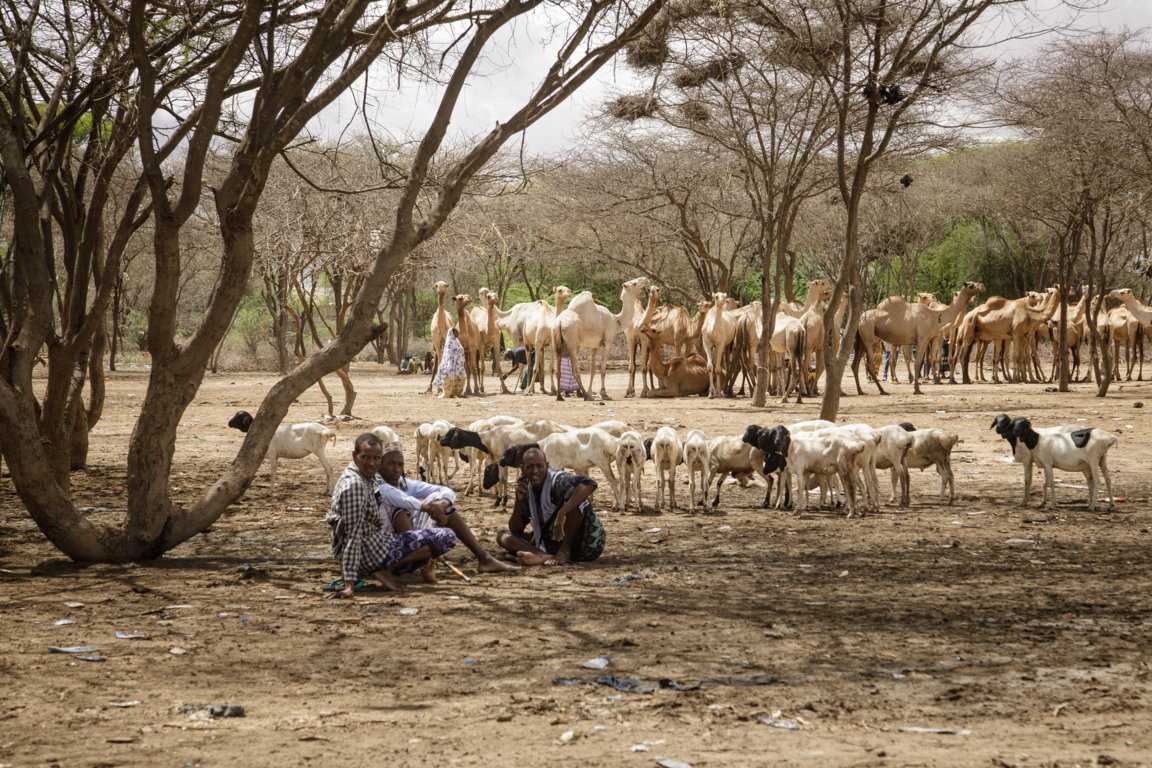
[582, 449]
[865, 460]
[385, 435]
[1065, 448]
[666, 454]
[696, 460]
[825, 452]
[892, 454]
[496, 440]
[630, 460]
[293, 441]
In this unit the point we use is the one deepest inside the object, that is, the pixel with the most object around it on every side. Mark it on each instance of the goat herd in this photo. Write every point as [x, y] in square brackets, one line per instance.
[837, 459]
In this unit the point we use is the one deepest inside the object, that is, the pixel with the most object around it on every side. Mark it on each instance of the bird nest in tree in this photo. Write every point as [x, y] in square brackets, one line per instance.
[812, 53]
[918, 66]
[632, 107]
[691, 9]
[719, 68]
[695, 111]
[651, 48]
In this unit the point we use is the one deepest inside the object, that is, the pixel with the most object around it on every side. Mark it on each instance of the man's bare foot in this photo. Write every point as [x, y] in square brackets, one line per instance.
[535, 558]
[492, 565]
[428, 572]
[388, 582]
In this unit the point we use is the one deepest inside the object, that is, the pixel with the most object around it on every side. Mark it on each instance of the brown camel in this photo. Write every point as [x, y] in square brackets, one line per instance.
[584, 324]
[1002, 321]
[903, 323]
[717, 332]
[487, 321]
[667, 325]
[472, 340]
[682, 375]
[438, 327]
[633, 337]
[1126, 323]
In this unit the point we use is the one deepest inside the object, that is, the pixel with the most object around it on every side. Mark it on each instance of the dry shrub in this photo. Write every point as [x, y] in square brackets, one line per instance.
[633, 107]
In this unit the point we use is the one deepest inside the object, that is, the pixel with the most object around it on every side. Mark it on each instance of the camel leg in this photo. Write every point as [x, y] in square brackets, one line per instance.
[920, 352]
[604, 373]
[631, 391]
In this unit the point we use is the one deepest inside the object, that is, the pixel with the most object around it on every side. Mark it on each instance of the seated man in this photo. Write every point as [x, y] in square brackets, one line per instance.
[364, 544]
[558, 505]
[415, 505]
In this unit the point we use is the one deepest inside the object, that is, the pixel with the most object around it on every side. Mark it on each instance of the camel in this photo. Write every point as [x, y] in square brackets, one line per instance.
[584, 324]
[717, 332]
[634, 340]
[999, 321]
[1140, 317]
[472, 339]
[668, 325]
[681, 375]
[813, 322]
[817, 289]
[485, 318]
[902, 323]
[439, 326]
[537, 333]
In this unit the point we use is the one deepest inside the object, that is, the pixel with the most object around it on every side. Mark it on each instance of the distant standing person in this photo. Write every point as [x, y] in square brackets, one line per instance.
[409, 504]
[452, 375]
[363, 544]
[558, 506]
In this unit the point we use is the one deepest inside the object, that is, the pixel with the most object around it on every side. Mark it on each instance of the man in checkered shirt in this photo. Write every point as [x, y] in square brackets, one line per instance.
[363, 542]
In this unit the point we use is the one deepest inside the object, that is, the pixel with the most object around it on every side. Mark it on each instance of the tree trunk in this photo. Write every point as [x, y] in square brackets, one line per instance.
[349, 391]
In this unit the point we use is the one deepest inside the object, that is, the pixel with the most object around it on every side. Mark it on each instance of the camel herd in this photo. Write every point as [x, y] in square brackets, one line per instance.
[717, 344]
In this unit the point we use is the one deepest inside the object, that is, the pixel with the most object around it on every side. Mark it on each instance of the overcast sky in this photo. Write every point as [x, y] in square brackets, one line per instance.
[518, 59]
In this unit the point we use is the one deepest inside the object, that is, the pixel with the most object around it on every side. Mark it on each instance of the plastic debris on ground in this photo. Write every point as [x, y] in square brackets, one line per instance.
[600, 662]
[944, 731]
[409, 611]
[567, 737]
[667, 762]
[73, 604]
[124, 704]
[177, 651]
[63, 622]
[130, 636]
[71, 649]
[777, 720]
[638, 685]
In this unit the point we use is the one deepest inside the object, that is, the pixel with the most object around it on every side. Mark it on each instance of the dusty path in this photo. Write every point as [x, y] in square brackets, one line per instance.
[1036, 653]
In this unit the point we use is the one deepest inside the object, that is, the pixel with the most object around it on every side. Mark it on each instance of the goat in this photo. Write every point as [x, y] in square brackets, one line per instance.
[1066, 448]
[495, 440]
[431, 454]
[731, 456]
[666, 455]
[386, 435]
[892, 454]
[478, 460]
[630, 457]
[696, 459]
[826, 452]
[865, 460]
[582, 449]
[292, 441]
[930, 447]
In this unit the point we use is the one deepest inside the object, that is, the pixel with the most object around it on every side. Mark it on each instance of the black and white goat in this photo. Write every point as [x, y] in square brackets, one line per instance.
[292, 441]
[1068, 448]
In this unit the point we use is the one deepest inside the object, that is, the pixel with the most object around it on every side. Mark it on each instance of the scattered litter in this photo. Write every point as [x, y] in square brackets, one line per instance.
[1007, 459]
[92, 657]
[130, 636]
[723, 527]
[1021, 542]
[641, 686]
[175, 607]
[665, 762]
[226, 710]
[599, 728]
[177, 651]
[567, 737]
[124, 704]
[783, 723]
[646, 573]
[471, 662]
[71, 649]
[941, 413]
[600, 662]
[842, 574]
[644, 746]
[409, 611]
[63, 622]
[121, 739]
[73, 605]
[653, 530]
[936, 730]
[804, 567]
[312, 737]
[1037, 519]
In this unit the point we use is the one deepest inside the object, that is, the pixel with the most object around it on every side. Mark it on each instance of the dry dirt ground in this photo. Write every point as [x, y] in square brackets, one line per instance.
[1023, 633]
